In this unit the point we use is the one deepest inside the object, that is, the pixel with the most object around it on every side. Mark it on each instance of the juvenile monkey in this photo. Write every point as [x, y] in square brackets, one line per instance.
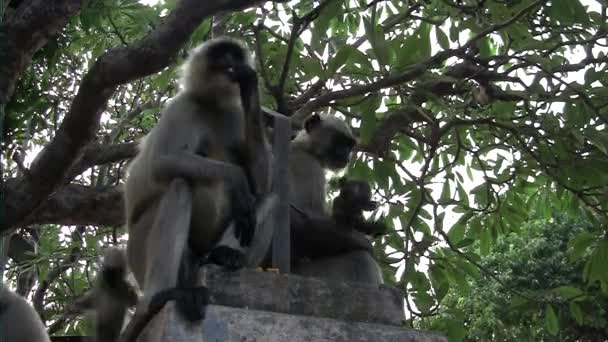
[111, 296]
[354, 198]
[186, 189]
[321, 247]
[18, 320]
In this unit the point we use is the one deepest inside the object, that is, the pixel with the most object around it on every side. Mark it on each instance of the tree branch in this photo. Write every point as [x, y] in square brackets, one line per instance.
[410, 74]
[117, 66]
[99, 155]
[25, 32]
[81, 205]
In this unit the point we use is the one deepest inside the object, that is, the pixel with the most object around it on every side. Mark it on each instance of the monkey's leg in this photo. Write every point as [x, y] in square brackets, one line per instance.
[355, 266]
[192, 301]
[201, 169]
[230, 253]
[167, 238]
[319, 235]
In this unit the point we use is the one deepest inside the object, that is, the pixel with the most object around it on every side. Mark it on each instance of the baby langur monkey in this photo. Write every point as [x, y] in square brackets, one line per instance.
[111, 296]
[197, 188]
[18, 320]
[356, 197]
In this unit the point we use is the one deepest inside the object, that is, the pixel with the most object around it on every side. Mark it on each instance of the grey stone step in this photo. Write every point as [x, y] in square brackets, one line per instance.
[298, 295]
[227, 324]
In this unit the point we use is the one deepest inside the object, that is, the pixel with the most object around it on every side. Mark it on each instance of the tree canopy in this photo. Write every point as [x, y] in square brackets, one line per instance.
[475, 117]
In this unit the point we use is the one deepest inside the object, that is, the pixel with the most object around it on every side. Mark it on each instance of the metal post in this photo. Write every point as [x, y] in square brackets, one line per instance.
[281, 241]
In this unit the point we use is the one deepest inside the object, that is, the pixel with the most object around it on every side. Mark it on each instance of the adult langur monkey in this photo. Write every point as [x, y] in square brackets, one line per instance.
[18, 320]
[186, 187]
[321, 248]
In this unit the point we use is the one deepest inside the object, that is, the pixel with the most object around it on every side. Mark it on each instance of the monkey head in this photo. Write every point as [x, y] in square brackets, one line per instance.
[216, 68]
[329, 139]
[357, 193]
[114, 267]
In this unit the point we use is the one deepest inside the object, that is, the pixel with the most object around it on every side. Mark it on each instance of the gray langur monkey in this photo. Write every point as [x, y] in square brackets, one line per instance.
[111, 297]
[201, 176]
[320, 247]
[354, 198]
[18, 320]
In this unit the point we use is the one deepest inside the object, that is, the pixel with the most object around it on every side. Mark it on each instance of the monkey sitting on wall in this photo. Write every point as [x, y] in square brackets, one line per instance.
[354, 198]
[320, 247]
[196, 189]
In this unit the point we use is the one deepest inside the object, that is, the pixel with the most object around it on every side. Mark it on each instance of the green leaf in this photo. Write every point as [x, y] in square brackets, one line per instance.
[597, 266]
[377, 41]
[456, 331]
[486, 48]
[598, 139]
[340, 58]
[576, 313]
[568, 11]
[551, 321]
[484, 241]
[423, 301]
[568, 292]
[445, 192]
[439, 280]
[579, 245]
[457, 231]
[462, 194]
[442, 38]
[416, 48]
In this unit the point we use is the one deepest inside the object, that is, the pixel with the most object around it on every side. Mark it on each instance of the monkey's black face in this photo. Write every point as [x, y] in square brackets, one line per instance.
[226, 57]
[358, 194]
[339, 153]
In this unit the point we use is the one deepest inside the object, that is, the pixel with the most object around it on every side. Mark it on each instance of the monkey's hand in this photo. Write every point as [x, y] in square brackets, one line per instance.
[247, 79]
[375, 228]
[245, 76]
[243, 212]
[190, 302]
[227, 257]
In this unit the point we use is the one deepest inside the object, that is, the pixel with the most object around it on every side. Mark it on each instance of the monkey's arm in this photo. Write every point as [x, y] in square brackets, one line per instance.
[87, 301]
[374, 228]
[318, 235]
[193, 167]
[256, 157]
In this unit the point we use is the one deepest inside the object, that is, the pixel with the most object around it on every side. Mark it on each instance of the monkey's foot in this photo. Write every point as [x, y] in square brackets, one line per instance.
[192, 302]
[227, 257]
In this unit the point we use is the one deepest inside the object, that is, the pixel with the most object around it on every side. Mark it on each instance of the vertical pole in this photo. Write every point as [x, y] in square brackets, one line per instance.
[281, 241]
[1, 171]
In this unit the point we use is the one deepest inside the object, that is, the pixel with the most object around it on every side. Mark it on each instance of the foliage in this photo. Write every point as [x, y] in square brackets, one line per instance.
[473, 116]
[538, 292]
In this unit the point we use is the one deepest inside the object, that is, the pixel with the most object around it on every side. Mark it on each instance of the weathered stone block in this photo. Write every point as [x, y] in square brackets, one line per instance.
[298, 295]
[224, 324]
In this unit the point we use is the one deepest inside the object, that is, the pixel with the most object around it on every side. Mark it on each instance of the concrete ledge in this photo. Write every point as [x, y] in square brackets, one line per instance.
[224, 324]
[298, 295]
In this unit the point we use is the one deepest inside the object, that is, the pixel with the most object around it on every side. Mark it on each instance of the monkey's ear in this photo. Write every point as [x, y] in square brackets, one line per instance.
[312, 122]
